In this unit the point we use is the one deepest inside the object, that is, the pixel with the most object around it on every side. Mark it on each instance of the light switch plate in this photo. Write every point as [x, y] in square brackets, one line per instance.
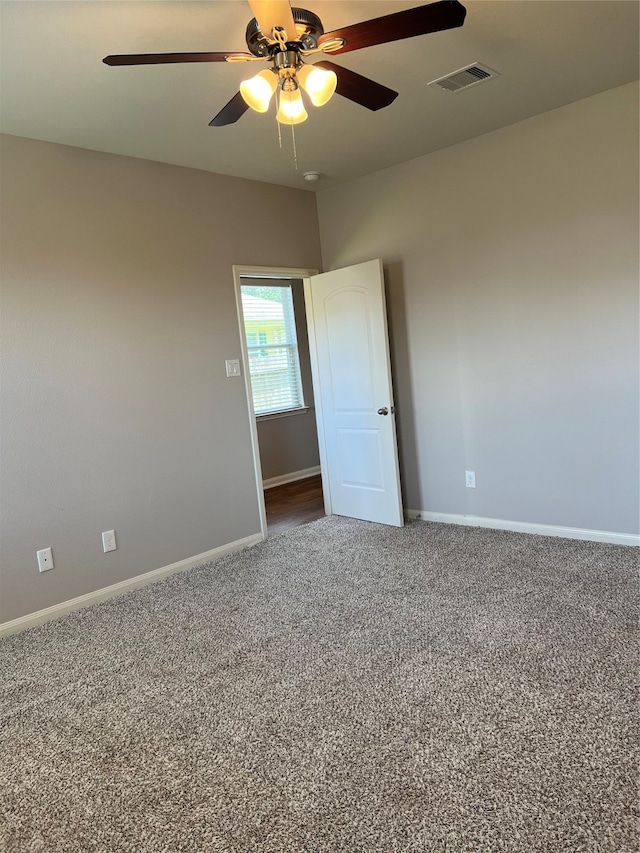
[233, 367]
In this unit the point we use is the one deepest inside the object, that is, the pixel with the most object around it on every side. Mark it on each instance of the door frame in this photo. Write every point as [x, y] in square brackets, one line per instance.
[240, 270]
[317, 394]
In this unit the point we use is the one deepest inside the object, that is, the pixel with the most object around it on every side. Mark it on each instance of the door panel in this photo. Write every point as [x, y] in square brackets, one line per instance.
[352, 381]
[349, 350]
[359, 454]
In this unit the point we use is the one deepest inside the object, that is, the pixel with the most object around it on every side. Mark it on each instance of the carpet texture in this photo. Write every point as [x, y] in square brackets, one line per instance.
[343, 687]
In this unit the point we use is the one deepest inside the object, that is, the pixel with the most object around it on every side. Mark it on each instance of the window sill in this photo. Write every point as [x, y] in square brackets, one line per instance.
[287, 413]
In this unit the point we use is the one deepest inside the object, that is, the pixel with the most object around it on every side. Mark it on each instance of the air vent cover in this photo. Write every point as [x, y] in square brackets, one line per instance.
[463, 78]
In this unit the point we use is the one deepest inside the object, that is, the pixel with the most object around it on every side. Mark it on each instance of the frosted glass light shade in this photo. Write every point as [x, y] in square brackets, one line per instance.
[257, 91]
[318, 83]
[291, 109]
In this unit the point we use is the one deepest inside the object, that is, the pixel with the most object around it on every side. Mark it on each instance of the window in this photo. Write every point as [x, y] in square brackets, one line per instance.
[272, 345]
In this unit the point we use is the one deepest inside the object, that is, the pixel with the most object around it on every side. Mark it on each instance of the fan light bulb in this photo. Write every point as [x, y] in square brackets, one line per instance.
[257, 91]
[318, 83]
[291, 109]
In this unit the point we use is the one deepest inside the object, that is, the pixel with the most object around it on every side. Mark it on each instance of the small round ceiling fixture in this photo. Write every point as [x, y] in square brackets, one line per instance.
[312, 177]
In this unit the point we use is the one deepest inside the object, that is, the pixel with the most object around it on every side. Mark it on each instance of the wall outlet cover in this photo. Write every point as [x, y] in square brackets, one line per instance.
[45, 559]
[109, 541]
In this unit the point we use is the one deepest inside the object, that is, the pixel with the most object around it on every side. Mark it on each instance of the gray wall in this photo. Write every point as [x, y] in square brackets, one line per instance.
[290, 444]
[512, 269]
[118, 311]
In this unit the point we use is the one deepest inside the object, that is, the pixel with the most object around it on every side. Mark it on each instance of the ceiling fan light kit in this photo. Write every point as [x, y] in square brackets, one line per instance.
[258, 91]
[291, 107]
[286, 36]
[319, 84]
[290, 73]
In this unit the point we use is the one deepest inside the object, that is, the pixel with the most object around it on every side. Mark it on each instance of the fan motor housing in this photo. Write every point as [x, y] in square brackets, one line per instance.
[308, 30]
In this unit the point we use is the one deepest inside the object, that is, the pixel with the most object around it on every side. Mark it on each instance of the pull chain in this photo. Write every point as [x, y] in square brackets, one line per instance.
[278, 95]
[293, 132]
[295, 153]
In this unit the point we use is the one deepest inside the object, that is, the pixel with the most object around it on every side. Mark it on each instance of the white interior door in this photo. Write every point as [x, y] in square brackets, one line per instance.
[349, 344]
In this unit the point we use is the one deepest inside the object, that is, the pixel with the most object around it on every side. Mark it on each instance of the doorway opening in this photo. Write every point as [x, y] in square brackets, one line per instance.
[350, 365]
[277, 369]
[293, 504]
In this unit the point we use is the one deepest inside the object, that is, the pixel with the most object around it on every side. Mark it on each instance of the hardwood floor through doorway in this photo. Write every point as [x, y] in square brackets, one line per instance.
[293, 504]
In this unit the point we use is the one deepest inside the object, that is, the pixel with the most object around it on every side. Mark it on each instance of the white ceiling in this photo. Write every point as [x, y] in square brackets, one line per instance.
[55, 87]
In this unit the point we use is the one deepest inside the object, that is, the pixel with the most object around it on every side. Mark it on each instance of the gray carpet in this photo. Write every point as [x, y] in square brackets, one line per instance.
[342, 687]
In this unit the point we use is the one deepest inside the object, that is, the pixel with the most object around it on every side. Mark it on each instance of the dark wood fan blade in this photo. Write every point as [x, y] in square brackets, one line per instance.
[161, 58]
[362, 90]
[230, 113]
[432, 18]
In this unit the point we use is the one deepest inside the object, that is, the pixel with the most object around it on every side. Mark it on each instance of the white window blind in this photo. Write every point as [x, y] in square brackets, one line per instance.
[272, 345]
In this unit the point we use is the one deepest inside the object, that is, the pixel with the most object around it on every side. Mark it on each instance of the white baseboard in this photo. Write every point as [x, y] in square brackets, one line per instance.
[40, 616]
[291, 477]
[527, 527]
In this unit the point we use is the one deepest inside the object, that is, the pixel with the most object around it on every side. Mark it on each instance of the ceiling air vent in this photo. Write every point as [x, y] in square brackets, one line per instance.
[463, 78]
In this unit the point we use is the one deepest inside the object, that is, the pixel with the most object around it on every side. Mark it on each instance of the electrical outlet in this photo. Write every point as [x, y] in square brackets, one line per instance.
[470, 479]
[45, 560]
[109, 541]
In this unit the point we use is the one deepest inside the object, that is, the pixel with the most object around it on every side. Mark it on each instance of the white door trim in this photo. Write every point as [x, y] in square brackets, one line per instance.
[268, 272]
[317, 395]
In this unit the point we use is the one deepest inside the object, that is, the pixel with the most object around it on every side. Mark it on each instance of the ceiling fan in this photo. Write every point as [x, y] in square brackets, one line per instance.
[285, 37]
